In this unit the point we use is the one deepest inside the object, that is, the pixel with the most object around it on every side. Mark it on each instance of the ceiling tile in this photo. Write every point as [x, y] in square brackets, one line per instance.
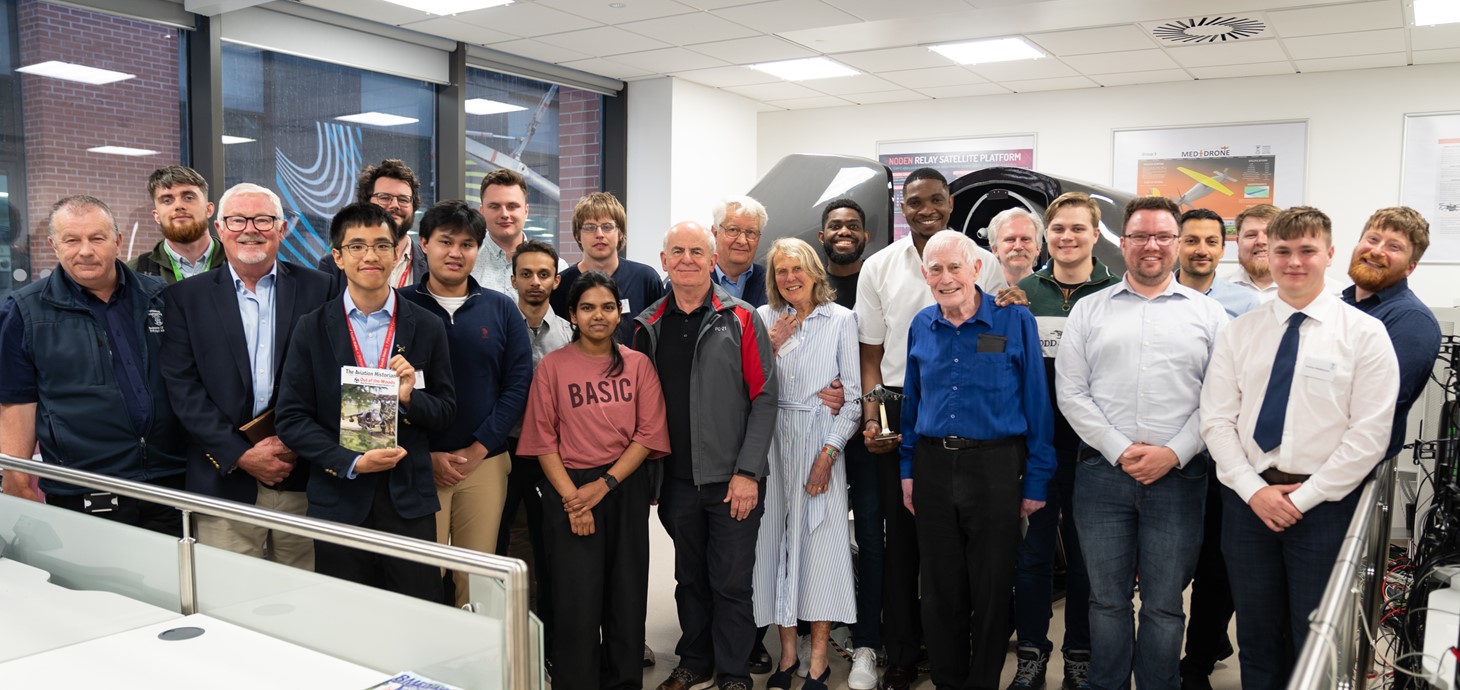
[897, 96]
[777, 16]
[667, 60]
[627, 10]
[1027, 85]
[449, 27]
[1228, 54]
[1043, 68]
[915, 57]
[1434, 37]
[1128, 61]
[1211, 29]
[744, 51]
[869, 10]
[1430, 57]
[767, 108]
[1335, 19]
[1353, 62]
[537, 50]
[721, 77]
[608, 68]
[813, 102]
[933, 76]
[840, 86]
[1108, 39]
[1261, 69]
[717, 4]
[684, 29]
[525, 19]
[1151, 77]
[604, 40]
[778, 91]
[1342, 45]
[374, 10]
[963, 90]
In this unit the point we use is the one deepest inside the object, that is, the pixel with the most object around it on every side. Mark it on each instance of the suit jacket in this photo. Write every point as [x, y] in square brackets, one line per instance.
[205, 363]
[308, 413]
[326, 265]
[754, 285]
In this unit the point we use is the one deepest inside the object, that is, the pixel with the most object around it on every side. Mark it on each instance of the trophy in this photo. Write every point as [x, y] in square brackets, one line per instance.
[882, 396]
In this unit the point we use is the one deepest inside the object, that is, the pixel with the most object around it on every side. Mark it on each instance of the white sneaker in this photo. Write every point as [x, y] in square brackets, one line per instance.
[803, 655]
[864, 669]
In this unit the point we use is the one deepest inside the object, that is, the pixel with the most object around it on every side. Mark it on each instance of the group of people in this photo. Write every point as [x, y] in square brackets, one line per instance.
[755, 404]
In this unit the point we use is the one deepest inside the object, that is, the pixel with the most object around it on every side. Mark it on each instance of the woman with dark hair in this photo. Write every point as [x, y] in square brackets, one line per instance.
[594, 414]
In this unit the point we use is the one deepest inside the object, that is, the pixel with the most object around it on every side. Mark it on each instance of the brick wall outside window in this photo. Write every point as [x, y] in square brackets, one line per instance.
[580, 134]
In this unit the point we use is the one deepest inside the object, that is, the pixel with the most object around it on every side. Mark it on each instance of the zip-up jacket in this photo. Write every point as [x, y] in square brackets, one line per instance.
[158, 263]
[732, 388]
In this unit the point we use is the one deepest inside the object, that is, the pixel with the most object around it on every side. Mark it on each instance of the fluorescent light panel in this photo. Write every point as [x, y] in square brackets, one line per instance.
[122, 151]
[378, 119]
[230, 139]
[805, 69]
[446, 7]
[485, 106]
[992, 50]
[1432, 12]
[70, 71]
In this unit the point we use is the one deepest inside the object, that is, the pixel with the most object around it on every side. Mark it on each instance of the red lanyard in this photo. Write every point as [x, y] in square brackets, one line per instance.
[384, 347]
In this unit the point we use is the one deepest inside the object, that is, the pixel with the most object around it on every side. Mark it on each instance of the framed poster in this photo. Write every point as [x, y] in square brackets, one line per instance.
[952, 157]
[1429, 179]
[1225, 168]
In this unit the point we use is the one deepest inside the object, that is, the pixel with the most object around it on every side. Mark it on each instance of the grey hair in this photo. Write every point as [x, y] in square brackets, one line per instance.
[740, 205]
[951, 238]
[1007, 216]
[79, 203]
[250, 188]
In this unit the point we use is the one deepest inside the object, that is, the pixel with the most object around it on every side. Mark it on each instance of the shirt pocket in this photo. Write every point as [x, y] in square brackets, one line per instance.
[993, 374]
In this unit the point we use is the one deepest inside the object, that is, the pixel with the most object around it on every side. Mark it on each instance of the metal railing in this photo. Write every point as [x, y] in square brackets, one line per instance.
[512, 572]
[1339, 652]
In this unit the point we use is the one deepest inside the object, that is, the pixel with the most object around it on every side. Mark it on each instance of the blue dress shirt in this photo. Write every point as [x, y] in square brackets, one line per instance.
[256, 308]
[1416, 335]
[737, 289]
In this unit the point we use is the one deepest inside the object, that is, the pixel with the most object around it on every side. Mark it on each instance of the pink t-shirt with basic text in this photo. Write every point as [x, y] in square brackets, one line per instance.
[590, 419]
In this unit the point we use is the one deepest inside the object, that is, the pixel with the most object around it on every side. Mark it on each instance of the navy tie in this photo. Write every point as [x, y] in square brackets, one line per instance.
[1269, 429]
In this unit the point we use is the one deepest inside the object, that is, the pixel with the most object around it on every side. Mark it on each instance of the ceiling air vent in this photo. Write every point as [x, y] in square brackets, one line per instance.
[1209, 30]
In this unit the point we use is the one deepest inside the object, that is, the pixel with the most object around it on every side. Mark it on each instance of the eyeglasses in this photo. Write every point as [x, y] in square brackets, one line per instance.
[1163, 240]
[606, 228]
[357, 249]
[384, 199]
[240, 223]
[734, 233]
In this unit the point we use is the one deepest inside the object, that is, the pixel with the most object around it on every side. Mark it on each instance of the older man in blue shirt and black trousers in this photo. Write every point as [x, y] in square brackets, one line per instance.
[978, 438]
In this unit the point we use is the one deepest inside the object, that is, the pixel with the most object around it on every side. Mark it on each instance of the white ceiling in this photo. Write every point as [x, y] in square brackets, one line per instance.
[1090, 43]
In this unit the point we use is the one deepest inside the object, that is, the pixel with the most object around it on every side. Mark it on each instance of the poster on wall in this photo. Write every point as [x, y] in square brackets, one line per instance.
[1224, 168]
[952, 157]
[1429, 179]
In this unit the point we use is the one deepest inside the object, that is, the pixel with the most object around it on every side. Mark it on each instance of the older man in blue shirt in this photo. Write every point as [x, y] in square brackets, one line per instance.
[978, 433]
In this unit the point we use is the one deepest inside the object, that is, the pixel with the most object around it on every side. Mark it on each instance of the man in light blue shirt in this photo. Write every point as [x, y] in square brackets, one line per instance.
[1202, 244]
[1128, 378]
[739, 222]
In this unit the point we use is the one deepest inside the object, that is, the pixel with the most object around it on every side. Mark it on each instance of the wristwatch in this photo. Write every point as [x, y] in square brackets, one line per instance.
[610, 481]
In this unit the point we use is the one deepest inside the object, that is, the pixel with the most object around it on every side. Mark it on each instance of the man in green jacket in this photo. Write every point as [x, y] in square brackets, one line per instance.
[181, 208]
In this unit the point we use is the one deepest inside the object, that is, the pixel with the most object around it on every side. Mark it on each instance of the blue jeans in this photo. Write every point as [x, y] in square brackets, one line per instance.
[1127, 528]
[867, 512]
[1034, 576]
[1277, 580]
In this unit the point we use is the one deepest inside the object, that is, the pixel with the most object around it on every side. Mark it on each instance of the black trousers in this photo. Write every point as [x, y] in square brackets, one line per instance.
[714, 558]
[1211, 591]
[130, 511]
[967, 504]
[601, 584]
[522, 486]
[902, 626]
[384, 572]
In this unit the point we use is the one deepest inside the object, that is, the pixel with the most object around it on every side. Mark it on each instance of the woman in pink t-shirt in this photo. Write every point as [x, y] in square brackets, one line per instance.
[594, 414]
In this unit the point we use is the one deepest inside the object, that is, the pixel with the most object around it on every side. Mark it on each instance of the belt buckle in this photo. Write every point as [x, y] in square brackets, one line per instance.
[945, 440]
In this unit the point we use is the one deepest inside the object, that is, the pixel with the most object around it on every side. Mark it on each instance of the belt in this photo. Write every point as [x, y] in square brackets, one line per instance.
[960, 443]
[795, 406]
[1275, 476]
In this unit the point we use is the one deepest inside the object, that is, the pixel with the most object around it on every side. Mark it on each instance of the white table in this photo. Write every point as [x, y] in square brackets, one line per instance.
[40, 616]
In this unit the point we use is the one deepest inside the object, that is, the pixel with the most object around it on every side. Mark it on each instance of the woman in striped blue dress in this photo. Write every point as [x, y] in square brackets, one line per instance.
[803, 559]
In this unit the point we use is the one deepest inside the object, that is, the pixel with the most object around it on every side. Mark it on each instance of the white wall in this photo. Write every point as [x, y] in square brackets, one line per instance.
[689, 146]
[1355, 129]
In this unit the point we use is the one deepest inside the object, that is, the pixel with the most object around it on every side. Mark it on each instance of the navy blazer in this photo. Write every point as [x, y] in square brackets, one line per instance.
[205, 363]
[308, 413]
[754, 285]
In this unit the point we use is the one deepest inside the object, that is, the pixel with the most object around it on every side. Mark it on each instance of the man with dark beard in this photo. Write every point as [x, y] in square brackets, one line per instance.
[1389, 250]
[181, 208]
[393, 186]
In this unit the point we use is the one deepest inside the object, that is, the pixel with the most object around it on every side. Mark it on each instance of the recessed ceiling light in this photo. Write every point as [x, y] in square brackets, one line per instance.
[230, 139]
[71, 71]
[805, 68]
[378, 119]
[992, 50]
[1431, 12]
[486, 106]
[446, 7]
[122, 151]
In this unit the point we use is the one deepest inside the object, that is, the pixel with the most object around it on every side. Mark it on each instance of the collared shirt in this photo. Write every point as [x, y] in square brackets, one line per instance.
[1130, 369]
[553, 333]
[963, 382]
[186, 268]
[1340, 406]
[1415, 332]
[1234, 299]
[734, 287]
[400, 273]
[892, 291]
[256, 308]
[1242, 278]
[370, 328]
[493, 269]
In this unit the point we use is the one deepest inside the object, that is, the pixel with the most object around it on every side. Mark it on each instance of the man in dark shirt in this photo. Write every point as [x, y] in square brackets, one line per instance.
[600, 227]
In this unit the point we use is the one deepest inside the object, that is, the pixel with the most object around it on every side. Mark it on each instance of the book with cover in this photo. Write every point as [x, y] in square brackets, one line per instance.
[369, 405]
[411, 680]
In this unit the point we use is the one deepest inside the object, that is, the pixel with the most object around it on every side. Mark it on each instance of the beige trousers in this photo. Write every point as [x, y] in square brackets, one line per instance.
[471, 513]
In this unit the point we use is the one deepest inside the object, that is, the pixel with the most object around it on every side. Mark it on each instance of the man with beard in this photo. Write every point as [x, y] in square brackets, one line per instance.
[1016, 236]
[393, 186]
[181, 208]
[1201, 246]
[1394, 239]
[1251, 227]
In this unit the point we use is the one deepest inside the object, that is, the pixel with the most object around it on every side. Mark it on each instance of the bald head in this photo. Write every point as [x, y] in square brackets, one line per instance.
[688, 255]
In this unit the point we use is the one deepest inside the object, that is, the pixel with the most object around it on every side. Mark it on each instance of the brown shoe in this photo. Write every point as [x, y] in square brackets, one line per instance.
[897, 677]
[682, 678]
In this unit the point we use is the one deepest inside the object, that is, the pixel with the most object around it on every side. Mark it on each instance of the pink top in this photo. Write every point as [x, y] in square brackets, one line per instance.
[589, 419]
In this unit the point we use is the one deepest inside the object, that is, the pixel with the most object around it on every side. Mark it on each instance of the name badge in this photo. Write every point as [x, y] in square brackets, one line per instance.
[1320, 369]
[789, 346]
[420, 383]
[623, 306]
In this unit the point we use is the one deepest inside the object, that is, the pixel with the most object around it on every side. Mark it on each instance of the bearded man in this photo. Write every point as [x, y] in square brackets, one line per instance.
[1251, 225]
[181, 208]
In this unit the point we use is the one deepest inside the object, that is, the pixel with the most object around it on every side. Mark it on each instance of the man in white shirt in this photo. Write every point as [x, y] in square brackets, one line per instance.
[1296, 411]
[1128, 378]
[1251, 227]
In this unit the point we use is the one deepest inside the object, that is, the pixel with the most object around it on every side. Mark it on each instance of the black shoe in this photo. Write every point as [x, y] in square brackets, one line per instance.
[1077, 669]
[897, 677]
[817, 683]
[760, 659]
[781, 680]
[1196, 681]
[1030, 669]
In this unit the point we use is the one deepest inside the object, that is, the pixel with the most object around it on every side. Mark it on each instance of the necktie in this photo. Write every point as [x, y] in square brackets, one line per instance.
[1269, 429]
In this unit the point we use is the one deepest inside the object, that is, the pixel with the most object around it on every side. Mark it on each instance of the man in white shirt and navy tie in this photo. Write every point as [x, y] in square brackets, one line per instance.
[1296, 411]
